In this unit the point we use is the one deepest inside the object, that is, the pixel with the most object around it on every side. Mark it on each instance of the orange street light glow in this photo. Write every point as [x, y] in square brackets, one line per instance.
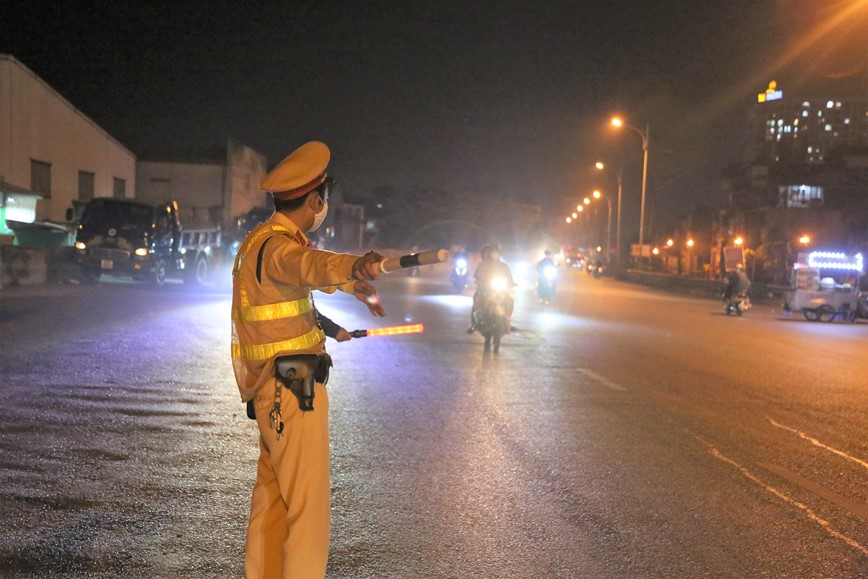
[739, 240]
[655, 251]
[586, 201]
[617, 122]
[597, 194]
[575, 214]
[600, 165]
[689, 243]
[569, 219]
[805, 239]
[669, 243]
[580, 208]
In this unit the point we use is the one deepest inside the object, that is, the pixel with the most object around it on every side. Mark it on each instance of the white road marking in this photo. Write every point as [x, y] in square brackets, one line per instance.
[816, 442]
[602, 380]
[817, 489]
[811, 515]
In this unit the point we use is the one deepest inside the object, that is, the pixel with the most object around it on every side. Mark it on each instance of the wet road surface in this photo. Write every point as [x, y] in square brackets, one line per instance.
[619, 433]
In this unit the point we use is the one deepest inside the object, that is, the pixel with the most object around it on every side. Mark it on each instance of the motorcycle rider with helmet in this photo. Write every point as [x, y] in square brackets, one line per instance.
[490, 267]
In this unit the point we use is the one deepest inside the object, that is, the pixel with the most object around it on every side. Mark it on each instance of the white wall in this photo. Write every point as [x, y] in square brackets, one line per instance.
[38, 123]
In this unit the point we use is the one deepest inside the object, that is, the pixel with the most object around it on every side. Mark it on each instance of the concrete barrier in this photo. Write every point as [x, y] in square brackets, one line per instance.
[35, 265]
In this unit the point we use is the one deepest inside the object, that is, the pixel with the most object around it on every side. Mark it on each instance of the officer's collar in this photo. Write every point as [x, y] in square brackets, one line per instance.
[285, 221]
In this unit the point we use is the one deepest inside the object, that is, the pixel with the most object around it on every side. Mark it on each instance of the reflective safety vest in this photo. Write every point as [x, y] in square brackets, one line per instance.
[267, 320]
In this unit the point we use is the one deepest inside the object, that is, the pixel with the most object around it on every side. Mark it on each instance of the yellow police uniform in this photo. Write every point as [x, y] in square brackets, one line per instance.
[273, 315]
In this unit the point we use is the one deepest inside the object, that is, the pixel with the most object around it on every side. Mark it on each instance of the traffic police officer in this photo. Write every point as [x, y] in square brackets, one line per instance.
[273, 315]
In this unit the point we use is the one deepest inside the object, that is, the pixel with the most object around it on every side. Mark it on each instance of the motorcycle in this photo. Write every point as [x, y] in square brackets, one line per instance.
[545, 287]
[490, 316]
[458, 278]
[737, 304]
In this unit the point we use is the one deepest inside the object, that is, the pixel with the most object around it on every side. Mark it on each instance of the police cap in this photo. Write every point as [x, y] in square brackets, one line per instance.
[299, 173]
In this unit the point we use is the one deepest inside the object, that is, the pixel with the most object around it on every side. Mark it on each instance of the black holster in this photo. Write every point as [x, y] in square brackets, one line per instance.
[300, 372]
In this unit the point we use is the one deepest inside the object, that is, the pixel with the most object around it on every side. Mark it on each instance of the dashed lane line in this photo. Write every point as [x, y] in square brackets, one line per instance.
[602, 380]
[816, 442]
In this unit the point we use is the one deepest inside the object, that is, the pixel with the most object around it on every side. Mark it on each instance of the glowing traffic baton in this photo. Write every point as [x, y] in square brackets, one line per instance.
[429, 257]
[392, 331]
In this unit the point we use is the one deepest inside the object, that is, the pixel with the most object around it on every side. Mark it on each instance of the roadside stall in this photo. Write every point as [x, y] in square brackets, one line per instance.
[826, 287]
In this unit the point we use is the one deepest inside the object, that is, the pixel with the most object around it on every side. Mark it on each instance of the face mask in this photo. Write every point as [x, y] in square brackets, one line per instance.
[319, 217]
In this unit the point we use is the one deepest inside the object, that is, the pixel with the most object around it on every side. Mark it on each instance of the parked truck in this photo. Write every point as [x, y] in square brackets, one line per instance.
[145, 242]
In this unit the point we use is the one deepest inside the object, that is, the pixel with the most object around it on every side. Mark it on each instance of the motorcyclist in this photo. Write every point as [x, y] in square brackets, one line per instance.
[738, 283]
[543, 266]
[545, 262]
[489, 268]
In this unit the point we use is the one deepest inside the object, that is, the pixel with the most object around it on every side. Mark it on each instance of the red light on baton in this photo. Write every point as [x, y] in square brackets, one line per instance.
[391, 331]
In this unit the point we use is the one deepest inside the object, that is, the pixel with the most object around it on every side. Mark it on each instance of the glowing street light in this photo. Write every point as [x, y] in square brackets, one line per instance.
[805, 239]
[597, 195]
[739, 241]
[670, 243]
[569, 219]
[644, 134]
[599, 165]
[689, 243]
[580, 208]
[586, 201]
[655, 251]
[575, 215]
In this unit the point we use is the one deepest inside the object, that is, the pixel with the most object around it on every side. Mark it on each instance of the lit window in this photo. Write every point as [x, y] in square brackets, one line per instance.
[838, 105]
[820, 114]
[804, 113]
[806, 105]
[810, 149]
[830, 104]
[847, 121]
[796, 122]
[780, 122]
[828, 127]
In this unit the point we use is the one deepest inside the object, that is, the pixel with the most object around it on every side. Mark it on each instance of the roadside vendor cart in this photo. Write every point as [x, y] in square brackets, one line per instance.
[826, 287]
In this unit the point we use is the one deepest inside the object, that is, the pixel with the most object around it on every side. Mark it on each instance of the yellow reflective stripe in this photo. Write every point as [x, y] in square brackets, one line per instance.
[276, 311]
[266, 351]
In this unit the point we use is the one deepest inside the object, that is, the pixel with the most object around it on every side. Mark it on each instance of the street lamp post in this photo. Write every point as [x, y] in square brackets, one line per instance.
[602, 166]
[644, 134]
[598, 195]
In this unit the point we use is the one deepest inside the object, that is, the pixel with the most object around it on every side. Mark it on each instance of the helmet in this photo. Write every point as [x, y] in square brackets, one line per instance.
[547, 252]
[484, 251]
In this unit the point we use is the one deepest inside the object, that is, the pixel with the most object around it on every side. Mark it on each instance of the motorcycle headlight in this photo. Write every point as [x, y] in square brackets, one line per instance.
[550, 273]
[142, 251]
[498, 284]
[461, 263]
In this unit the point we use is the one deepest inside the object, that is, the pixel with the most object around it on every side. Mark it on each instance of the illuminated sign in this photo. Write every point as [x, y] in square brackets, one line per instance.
[832, 260]
[771, 94]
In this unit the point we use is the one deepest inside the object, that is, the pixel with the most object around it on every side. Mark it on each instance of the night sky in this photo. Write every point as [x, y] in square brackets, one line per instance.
[507, 99]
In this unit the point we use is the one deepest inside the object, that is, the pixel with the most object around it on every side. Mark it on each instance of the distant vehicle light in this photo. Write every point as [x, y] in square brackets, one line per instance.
[461, 263]
[142, 252]
[183, 250]
[80, 245]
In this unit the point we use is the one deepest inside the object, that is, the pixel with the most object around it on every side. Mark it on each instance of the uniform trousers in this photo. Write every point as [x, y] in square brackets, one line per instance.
[288, 532]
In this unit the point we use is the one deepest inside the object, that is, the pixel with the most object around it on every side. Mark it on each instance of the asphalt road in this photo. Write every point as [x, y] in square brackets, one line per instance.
[619, 433]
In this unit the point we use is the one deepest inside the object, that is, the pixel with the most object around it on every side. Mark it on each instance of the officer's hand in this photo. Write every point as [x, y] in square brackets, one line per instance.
[368, 266]
[343, 335]
[367, 294]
